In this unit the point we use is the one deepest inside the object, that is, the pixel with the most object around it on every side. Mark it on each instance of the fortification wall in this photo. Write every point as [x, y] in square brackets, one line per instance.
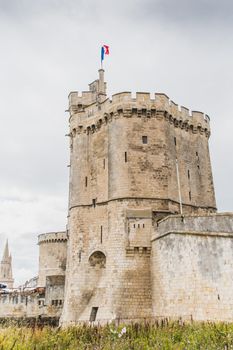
[192, 266]
[143, 105]
[108, 264]
[195, 174]
[52, 255]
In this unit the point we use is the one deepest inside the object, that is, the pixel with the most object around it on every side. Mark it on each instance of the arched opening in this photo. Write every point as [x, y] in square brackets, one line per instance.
[97, 259]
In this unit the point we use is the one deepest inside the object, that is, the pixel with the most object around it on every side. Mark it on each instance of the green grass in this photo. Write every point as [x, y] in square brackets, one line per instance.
[137, 337]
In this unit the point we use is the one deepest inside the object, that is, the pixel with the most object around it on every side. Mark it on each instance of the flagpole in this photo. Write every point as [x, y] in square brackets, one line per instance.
[101, 57]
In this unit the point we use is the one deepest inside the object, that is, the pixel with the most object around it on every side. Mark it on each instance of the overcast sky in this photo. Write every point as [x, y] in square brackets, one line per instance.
[51, 47]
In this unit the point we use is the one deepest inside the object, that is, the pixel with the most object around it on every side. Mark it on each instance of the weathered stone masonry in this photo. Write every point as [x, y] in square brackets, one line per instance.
[123, 180]
[192, 265]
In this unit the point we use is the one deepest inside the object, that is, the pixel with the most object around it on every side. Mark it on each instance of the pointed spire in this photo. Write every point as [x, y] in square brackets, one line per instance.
[6, 252]
[6, 268]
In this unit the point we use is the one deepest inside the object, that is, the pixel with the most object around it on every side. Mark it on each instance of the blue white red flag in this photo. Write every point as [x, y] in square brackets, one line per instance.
[104, 51]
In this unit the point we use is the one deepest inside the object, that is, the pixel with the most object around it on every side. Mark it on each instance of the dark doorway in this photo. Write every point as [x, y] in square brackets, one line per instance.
[93, 314]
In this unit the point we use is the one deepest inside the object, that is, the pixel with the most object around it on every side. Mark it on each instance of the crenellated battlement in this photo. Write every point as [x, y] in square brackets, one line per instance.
[79, 101]
[96, 94]
[90, 118]
[52, 237]
[92, 109]
[160, 102]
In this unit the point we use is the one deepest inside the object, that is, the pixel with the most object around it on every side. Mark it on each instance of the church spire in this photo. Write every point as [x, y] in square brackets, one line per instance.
[6, 268]
[6, 254]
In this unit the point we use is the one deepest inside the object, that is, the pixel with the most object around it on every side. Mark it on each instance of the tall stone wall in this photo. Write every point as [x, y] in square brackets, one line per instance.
[104, 270]
[192, 267]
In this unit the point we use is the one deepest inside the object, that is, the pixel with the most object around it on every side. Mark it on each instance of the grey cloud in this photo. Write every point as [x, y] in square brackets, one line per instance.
[27, 9]
[183, 11]
[80, 11]
[14, 199]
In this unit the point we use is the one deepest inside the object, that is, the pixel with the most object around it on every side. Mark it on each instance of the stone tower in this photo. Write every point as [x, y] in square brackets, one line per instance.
[6, 268]
[52, 256]
[133, 161]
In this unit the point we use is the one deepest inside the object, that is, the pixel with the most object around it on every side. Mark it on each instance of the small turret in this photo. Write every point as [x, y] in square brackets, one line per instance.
[96, 94]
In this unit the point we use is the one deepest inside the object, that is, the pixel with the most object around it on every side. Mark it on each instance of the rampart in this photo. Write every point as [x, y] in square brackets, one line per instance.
[211, 224]
[52, 237]
[192, 264]
[90, 116]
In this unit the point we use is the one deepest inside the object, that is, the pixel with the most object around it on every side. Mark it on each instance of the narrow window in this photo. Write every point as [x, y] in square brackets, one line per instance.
[86, 181]
[190, 197]
[197, 154]
[175, 141]
[94, 202]
[143, 225]
[188, 174]
[134, 225]
[80, 256]
[126, 157]
[93, 314]
[101, 234]
[104, 163]
[144, 139]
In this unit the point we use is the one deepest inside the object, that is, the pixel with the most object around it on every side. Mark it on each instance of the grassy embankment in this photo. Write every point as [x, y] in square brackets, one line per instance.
[131, 337]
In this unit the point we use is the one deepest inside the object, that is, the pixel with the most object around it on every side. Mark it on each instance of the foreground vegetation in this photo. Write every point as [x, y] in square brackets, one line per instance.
[130, 337]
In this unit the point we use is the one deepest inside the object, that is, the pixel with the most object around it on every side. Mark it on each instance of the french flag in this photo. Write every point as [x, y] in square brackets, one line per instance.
[104, 51]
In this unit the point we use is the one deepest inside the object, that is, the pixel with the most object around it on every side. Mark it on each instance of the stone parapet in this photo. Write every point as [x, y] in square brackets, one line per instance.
[90, 118]
[207, 224]
[52, 237]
